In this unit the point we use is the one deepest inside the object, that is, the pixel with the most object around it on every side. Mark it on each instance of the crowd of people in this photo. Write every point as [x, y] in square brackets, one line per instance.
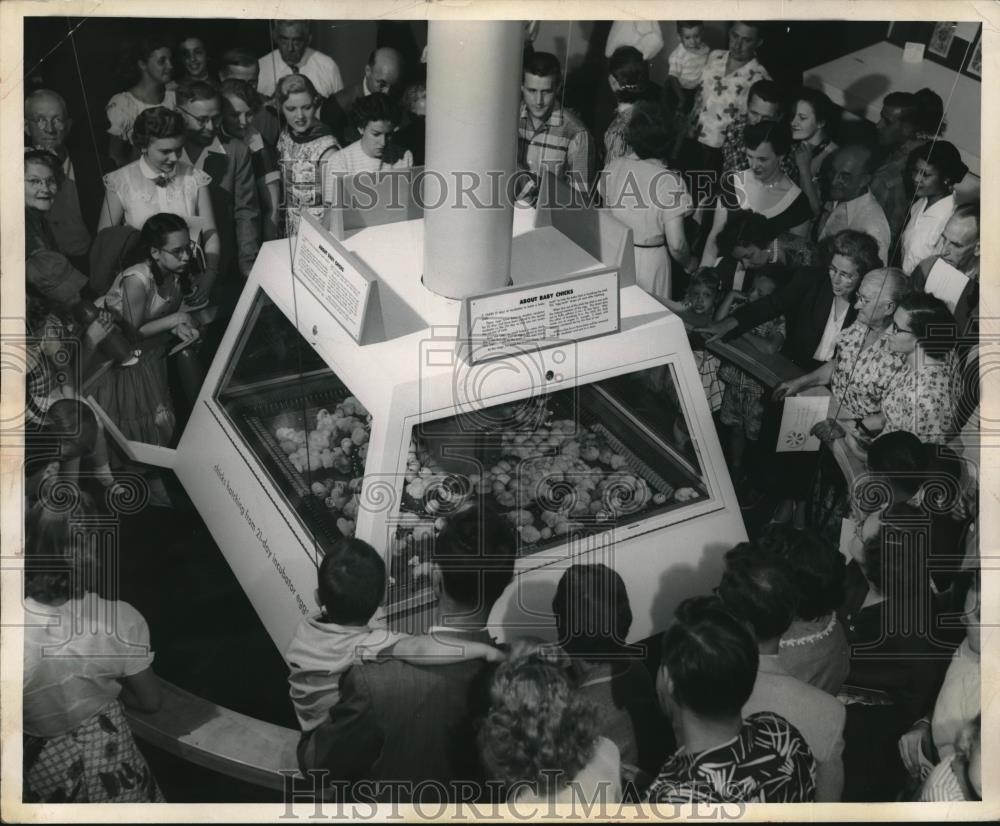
[851, 251]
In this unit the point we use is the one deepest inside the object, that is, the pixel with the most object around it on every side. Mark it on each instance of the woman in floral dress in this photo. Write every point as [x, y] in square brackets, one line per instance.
[304, 146]
[921, 397]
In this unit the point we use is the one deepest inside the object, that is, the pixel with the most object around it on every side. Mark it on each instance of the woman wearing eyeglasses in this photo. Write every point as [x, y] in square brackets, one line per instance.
[147, 298]
[921, 398]
[163, 181]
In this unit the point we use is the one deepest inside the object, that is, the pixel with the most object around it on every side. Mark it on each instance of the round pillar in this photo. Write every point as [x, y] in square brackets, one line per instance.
[473, 99]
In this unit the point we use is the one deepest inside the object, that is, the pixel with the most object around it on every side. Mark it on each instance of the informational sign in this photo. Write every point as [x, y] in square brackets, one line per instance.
[800, 415]
[946, 282]
[505, 322]
[338, 279]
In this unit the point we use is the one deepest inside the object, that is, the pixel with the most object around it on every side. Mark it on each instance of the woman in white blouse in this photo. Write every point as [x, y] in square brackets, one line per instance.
[163, 181]
[376, 118]
[149, 68]
[936, 169]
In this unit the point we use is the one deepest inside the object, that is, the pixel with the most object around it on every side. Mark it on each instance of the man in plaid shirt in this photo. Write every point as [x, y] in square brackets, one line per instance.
[551, 139]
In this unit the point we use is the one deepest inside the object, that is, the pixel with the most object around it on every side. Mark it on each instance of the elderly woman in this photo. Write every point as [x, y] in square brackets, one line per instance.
[817, 303]
[593, 618]
[812, 123]
[921, 398]
[147, 69]
[540, 739]
[163, 181]
[78, 747]
[936, 169]
[305, 145]
[657, 221]
[376, 117]
[43, 175]
[240, 106]
[763, 188]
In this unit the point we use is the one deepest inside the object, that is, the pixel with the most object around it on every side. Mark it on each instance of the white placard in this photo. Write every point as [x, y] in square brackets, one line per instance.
[946, 282]
[799, 416]
[331, 274]
[913, 53]
[505, 322]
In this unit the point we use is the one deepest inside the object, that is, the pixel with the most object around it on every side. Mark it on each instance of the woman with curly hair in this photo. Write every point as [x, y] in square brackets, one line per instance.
[146, 70]
[540, 740]
[376, 118]
[84, 657]
[162, 181]
[304, 146]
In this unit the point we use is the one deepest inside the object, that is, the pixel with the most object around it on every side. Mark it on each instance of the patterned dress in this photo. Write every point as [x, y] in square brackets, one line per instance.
[78, 747]
[863, 376]
[743, 398]
[767, 762]
[303, 176]
[922, 401]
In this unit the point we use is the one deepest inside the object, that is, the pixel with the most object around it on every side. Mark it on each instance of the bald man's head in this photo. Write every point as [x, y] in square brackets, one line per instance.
[878, 296]
[851, 172]
[46, 121]
[383, 71]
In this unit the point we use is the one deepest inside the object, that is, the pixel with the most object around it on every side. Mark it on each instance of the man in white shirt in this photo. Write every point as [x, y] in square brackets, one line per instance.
[851, 204]
[295, 56]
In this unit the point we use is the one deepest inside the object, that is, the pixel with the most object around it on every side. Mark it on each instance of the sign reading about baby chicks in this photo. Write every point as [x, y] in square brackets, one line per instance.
[505, 322]
[339, 280]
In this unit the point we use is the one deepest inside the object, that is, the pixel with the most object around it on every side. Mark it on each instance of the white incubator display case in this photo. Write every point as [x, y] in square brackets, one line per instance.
[601, 450]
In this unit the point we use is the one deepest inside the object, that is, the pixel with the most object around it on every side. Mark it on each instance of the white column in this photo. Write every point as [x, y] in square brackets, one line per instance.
[473, 98]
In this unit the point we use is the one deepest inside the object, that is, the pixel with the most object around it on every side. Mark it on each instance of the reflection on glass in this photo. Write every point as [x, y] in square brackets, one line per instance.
[559, 466]
[300, 420]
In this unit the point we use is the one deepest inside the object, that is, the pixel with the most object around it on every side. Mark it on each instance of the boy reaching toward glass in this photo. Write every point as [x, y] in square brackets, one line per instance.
[351, 582]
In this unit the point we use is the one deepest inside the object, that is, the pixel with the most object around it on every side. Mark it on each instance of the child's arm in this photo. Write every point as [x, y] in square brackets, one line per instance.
[678, 307]
[429, 650]
[726, 305]
[770, 344]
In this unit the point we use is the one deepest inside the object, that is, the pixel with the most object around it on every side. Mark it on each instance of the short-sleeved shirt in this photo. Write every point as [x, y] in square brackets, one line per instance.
[74, 656]
[124, 108]
[321, 69]
[863, 214]
[922, 401]
[922, 231]
[767, 762]
[560, 146]
[646, 197]
[687, 65]
[863, 376]
[319, 653]
[352, 159]
[723, 97]
[135, 186]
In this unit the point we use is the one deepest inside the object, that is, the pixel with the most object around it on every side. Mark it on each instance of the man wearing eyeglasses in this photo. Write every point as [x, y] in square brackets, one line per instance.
[232, 189]
[76, 207]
